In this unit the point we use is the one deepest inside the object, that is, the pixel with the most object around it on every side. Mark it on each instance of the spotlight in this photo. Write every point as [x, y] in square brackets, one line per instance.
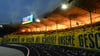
[37, 20]
[64, 6]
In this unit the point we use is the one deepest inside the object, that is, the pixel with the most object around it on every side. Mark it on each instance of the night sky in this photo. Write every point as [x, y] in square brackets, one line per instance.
[12, 11]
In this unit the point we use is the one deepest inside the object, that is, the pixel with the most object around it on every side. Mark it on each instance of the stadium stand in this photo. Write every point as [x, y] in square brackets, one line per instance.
[58, 50]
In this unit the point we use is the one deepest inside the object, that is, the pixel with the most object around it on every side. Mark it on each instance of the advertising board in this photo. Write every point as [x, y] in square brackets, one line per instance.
[28, 19]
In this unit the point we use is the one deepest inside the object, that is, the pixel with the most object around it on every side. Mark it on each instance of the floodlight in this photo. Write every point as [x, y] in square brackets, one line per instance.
[37, 20]
[1, 26]
[64, 6]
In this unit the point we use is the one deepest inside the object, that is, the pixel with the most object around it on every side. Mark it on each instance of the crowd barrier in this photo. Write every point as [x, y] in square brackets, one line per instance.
[87, 38]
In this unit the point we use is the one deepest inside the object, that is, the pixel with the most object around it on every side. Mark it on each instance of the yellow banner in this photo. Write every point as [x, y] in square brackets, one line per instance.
[0, 39]
[88, 38]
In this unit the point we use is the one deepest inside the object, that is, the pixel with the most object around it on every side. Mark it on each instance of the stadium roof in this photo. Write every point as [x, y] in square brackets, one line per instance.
[79, 11]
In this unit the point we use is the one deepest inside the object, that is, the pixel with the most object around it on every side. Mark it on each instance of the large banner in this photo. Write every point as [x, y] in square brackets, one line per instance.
[0, 40]
[88, 38]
